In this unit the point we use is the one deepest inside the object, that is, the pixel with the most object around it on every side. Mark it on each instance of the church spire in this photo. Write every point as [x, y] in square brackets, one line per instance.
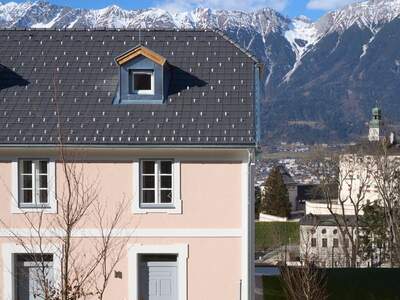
[375, 125]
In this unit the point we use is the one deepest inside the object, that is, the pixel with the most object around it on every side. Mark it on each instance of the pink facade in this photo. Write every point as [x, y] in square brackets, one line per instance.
[213, 188]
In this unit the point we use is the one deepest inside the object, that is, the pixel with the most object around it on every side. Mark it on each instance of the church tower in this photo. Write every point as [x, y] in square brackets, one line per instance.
[375, 125]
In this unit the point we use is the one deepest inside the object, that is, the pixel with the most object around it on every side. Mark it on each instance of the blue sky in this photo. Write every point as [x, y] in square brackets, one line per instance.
[292, 8]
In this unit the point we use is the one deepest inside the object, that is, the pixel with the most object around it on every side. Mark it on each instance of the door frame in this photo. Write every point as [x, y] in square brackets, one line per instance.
[134, 250]
[8, 251]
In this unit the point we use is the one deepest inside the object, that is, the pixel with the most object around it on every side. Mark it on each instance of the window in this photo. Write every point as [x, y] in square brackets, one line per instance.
[142, 82]
[323, 231]
[324, 243]
[33, 274]
[33, 183]
[335, 243]
[334, 231]
[156, 183]
[313, 242]
[346, 243]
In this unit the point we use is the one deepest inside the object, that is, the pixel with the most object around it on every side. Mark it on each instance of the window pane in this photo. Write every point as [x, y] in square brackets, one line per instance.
[166, 167]
[141, 82]
[148, 196]
[43, 181]
[27, 181]
[148, 167]
[27, 166]
[43, 167]
[313, 242]
[43, 196]
[27, 196]
[166, 182]
[335, 243]
[166, 196]
[148, 182]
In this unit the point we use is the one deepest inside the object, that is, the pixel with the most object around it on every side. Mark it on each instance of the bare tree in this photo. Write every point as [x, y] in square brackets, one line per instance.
[345, 182]
[86, 268]
[387, 179]
[306, 282]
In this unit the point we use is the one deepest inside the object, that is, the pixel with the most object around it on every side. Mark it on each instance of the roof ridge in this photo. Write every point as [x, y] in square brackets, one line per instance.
[245, 51]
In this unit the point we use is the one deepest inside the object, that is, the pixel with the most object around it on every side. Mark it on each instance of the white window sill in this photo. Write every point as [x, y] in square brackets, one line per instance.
[22, 210]
[176, 208]
[143, 92]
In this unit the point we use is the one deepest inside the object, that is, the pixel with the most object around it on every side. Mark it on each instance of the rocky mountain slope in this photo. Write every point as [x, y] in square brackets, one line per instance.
[321, 78]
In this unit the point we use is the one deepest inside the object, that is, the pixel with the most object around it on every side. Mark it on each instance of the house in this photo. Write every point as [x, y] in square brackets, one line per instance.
[321, 241]
[164, 120]
[310, 192]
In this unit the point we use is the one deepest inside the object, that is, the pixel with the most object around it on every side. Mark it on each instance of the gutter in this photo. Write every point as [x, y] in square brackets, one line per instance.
[125, 146]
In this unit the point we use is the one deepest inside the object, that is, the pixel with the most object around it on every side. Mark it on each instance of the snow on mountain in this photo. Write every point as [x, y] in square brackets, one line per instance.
[367, 14]
[12, 13]
[302, 34]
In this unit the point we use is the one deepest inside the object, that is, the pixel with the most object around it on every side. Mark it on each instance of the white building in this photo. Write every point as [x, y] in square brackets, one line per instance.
[320, 239]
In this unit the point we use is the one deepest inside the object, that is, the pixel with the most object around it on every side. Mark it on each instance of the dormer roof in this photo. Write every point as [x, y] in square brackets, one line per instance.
[140, 50]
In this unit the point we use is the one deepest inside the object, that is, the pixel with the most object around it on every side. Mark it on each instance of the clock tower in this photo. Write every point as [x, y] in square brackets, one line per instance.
[375, 125]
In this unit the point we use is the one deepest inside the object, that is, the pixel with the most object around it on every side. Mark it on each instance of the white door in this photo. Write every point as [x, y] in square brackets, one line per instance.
[30, 279]
[158, 281]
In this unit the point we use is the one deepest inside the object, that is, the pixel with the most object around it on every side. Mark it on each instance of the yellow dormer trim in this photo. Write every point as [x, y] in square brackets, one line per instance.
[140, 50]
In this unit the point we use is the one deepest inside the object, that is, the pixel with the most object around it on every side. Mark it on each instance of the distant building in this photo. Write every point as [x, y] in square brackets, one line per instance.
[321, 241]
[319, 233]
[376, 128]
[310, 193]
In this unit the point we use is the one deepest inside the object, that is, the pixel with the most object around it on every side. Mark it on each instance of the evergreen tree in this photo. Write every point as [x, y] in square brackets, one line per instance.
[275, 200]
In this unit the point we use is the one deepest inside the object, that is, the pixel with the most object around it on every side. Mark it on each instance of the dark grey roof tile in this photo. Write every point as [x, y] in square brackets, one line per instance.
[74, 73]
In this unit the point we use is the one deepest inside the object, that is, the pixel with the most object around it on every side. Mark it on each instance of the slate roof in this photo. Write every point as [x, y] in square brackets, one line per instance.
[326, 220]
[67, 79]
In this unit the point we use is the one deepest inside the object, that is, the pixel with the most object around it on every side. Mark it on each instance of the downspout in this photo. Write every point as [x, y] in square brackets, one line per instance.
[257, 100]
[246, 284]
[251, 223]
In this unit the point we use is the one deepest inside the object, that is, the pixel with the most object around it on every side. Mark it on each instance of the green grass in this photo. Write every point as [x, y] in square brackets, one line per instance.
[273, 234]
[348, 284]
[273, 288]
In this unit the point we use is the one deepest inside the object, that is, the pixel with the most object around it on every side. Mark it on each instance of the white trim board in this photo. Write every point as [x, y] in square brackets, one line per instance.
[128, 232]
[182, 250]
[8, 251]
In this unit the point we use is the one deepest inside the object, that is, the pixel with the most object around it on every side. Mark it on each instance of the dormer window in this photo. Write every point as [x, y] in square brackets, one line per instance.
[144, 77]
[142, 82]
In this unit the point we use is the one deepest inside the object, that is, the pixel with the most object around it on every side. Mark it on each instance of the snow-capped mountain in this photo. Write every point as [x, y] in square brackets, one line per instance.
[367, 14]
[319, 75]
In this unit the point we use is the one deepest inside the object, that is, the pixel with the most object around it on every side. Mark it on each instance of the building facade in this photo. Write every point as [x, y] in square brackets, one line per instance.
[357, 185]
[162, 121]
